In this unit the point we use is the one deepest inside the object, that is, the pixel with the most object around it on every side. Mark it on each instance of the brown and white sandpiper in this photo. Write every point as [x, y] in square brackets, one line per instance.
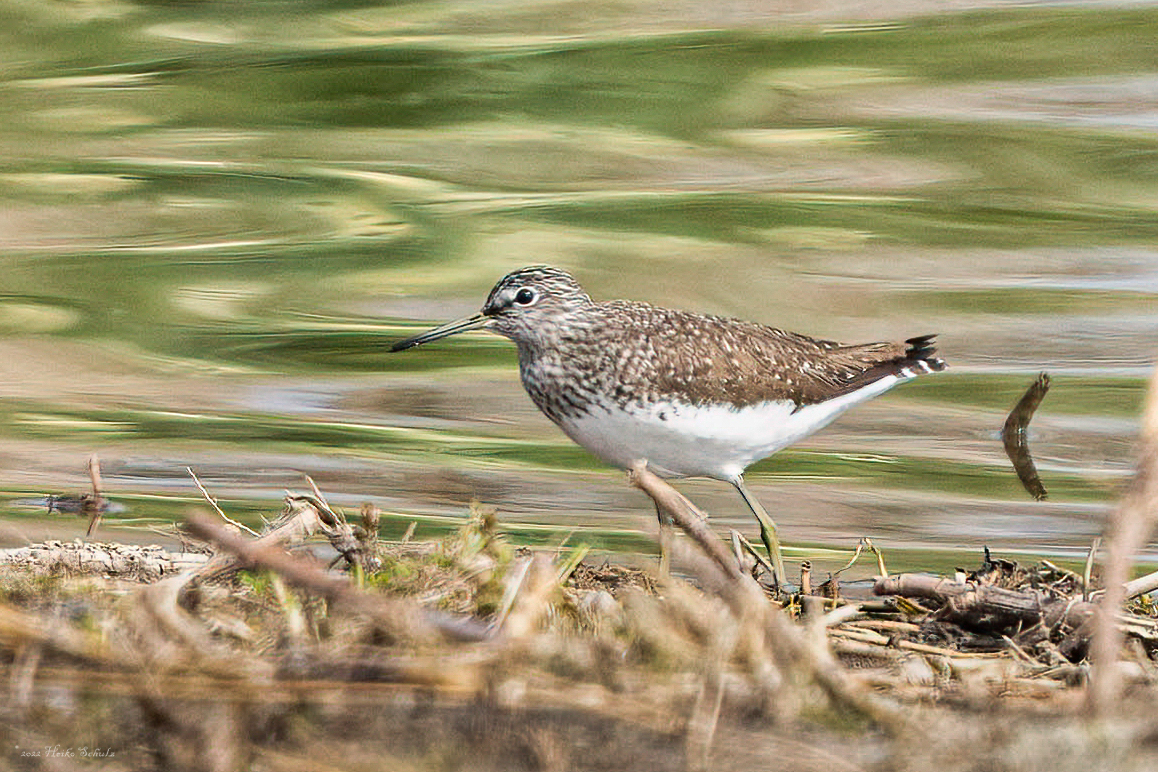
[692, 395]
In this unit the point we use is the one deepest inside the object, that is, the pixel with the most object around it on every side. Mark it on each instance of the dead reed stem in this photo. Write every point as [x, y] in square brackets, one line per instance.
[1130, 528]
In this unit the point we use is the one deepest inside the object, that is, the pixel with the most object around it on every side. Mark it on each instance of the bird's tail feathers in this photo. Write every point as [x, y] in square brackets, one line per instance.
[920, 357]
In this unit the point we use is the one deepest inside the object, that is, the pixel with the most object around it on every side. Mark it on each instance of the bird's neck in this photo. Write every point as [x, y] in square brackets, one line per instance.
[551, 337]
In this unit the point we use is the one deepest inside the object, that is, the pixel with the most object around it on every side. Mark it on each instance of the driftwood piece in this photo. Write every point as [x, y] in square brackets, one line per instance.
[146, 563]
[985, 605]
[1037, 615]
[355, 545]
[968, 603]
[91, 505]
[303, 516]
[1141, 585]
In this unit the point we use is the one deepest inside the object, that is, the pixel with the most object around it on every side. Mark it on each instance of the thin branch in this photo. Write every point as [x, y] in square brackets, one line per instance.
[751, 550]
[1089, 567]
[318, 492]
[685, 514]
[216, 508]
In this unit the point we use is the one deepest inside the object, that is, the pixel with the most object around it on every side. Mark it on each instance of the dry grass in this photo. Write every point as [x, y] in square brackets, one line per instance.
[469, 654]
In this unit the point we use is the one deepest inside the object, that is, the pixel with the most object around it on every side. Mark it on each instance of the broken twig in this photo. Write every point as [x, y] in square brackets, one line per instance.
[216, 507]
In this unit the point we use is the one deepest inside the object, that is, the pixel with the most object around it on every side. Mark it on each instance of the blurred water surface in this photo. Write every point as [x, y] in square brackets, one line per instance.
[216, 215]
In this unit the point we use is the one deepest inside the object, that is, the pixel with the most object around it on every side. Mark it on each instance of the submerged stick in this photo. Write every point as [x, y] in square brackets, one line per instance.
[97, 501]
[1013, 435]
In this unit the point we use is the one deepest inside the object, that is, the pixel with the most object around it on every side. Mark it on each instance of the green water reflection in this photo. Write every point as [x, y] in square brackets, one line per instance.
[217, 216]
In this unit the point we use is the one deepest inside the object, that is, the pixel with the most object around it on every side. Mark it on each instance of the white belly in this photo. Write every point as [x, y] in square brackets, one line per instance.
[683, 440]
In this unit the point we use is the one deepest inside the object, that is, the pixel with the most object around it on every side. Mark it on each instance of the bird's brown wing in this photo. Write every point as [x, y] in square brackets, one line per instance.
[713, 359]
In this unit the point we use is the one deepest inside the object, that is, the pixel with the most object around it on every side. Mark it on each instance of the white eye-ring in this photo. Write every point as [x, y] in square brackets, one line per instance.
[526, 296]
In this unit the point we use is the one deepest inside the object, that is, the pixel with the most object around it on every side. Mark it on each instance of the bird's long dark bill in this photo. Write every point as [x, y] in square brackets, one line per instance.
[446, 330]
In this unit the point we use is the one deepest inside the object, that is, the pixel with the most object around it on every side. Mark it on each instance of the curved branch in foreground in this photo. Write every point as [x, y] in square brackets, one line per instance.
[1129, 528]
[747, 601]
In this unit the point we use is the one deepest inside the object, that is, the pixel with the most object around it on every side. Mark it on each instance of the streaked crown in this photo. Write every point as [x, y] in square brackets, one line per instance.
[529, 297]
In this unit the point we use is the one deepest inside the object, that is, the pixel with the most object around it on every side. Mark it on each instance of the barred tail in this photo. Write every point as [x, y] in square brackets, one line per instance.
[920, 357]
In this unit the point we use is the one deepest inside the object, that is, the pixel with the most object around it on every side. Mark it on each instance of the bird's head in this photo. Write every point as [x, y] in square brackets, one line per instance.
[522, 304]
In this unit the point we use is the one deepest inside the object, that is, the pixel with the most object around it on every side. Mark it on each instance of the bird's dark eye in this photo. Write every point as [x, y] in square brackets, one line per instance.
[525, 297]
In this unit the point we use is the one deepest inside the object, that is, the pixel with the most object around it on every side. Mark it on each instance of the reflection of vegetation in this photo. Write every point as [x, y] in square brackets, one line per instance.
[927, 474]
[258, 429]
[932, 221]
[335, 350]
[670, 83]
[1025, 301]
[273, 192]
[270, 191]
[1073, 395]
[252, 430]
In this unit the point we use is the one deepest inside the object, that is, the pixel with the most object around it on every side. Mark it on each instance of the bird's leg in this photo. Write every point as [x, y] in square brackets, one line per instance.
[767, 528]
[665, 536]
